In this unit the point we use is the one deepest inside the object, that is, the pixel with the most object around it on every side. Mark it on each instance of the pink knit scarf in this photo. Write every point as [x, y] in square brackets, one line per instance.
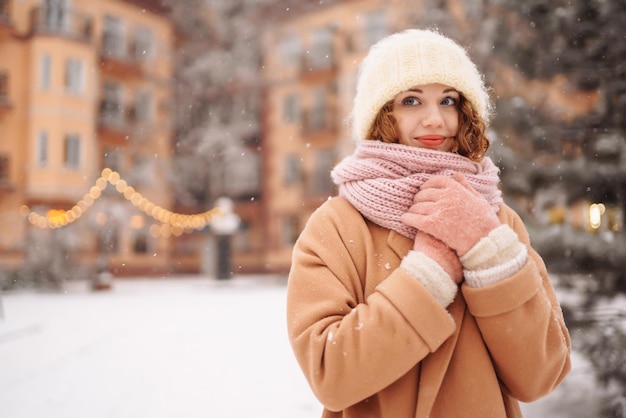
[380, 179]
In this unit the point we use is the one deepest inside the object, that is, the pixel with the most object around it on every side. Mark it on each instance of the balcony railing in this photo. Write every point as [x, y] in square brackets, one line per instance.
[124, 122]
[62, 22]
[317, 62]
[118, 57]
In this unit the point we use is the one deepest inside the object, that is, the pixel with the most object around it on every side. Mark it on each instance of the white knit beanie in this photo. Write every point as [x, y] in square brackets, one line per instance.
[407, 59]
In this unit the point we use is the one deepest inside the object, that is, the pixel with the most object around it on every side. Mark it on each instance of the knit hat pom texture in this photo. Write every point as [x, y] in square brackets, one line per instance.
[411, 58]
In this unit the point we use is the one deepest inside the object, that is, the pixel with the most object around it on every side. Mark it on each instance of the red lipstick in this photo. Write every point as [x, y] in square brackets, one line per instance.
[431, 141]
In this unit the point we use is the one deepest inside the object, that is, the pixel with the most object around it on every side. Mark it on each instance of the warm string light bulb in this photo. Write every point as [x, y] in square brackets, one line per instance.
[171, 223]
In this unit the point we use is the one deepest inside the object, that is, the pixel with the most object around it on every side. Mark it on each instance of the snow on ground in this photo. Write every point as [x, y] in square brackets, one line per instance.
[184, 347]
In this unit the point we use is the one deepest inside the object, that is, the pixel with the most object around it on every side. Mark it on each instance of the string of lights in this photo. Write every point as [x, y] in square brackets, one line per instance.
[171, 223]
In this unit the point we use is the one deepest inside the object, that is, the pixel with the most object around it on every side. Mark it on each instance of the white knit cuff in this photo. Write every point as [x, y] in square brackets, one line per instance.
[493, 275]
[432, 276]
[494, 258]
[499, 246]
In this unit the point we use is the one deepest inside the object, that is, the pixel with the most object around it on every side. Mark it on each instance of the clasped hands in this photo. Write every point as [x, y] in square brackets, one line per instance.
[450, 218]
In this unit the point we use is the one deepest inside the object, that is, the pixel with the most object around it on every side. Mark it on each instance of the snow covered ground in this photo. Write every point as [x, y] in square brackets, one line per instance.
[176, 347]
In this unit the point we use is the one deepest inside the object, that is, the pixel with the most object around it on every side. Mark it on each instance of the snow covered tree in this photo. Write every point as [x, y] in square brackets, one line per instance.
[583, 41]
[217, 100]
[577, 45]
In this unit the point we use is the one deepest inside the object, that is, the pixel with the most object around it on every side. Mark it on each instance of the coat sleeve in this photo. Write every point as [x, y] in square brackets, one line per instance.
[349, 347]
[522, 325]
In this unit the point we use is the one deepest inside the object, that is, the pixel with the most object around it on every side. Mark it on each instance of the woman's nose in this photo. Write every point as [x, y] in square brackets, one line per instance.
[432, 117]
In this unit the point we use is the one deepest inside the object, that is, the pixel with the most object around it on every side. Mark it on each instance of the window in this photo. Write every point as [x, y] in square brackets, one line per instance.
[74, 76]
[322, 49]
[141, 46]
[375, 28]
[111, 110]
[42, 149]
[45, 71]
[293, 170]
[317, 118]
[71, 151]
[291, 108]
[142, 110]
[113, 37]
[290, 50]
[56, 15]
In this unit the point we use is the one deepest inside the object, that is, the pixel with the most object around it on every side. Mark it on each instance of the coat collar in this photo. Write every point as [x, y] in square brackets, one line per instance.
[399, 243]
[434, 366]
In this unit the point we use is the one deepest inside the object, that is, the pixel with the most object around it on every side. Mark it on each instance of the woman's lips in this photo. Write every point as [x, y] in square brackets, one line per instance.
[431, 140]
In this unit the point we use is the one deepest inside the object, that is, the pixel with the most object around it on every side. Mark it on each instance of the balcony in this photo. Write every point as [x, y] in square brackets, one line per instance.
[59, 21]
[121, 125]
[113, 125]
[118, 60]
[5, 101]
[6, 25]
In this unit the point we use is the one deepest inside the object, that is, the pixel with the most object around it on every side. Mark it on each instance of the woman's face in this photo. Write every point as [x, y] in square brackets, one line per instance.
[427, 116]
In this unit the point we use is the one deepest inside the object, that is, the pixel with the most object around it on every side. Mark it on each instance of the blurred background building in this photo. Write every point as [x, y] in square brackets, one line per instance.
[83, 86]
[194, 101]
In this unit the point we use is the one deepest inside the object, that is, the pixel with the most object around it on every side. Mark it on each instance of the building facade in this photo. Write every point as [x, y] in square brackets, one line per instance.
[84, 86]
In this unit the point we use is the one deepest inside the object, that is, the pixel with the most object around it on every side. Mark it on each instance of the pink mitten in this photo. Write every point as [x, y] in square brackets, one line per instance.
[441, 254]
[449, 209]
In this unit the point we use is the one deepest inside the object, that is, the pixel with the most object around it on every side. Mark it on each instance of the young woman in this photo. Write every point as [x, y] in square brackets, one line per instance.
[415, 292]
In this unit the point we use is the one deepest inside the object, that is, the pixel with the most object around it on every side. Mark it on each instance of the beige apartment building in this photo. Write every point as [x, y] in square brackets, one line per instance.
[84, 85]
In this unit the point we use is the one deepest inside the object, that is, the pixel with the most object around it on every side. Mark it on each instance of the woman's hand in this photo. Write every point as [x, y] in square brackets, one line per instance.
[449, 209]
[441, 254]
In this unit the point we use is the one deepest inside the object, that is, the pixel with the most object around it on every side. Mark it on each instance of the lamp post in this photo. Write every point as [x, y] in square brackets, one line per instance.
[224, 227]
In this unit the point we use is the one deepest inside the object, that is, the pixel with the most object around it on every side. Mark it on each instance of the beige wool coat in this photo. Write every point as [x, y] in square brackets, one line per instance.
[373, 342]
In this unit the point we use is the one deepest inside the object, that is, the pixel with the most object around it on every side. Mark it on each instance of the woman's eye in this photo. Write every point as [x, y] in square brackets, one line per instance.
[449, 101]
[410, 101]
